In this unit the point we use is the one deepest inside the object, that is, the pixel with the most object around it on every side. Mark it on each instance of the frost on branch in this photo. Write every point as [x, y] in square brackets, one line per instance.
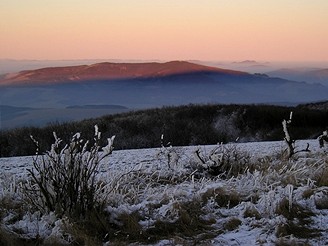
[323, 138]
[290, 142]
[108, 149]
[288, 139]
[36, 144]
[168, 152]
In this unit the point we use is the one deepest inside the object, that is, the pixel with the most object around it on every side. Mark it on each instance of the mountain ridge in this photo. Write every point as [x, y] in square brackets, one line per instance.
[110, 71]
[314, 75]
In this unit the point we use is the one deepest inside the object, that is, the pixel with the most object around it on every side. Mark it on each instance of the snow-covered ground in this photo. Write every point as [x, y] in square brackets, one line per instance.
[162, 188]
[16, 166]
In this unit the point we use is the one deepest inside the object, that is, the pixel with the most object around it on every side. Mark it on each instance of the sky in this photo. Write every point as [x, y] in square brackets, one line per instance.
[265, 30]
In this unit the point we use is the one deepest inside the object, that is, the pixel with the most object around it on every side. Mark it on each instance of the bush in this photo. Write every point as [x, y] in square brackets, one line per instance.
[225, 161]
[64, 180]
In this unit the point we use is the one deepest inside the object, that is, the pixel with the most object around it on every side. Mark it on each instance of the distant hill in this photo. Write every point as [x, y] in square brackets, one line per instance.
[12, 117]
[97, 107]
[308, 75]
[247, 62]
[323, 106]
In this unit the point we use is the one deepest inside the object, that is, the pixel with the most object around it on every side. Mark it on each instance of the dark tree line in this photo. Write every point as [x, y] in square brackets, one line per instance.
[182, 125]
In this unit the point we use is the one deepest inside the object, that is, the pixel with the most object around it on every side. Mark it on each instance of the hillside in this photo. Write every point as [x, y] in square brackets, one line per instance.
[181, 126]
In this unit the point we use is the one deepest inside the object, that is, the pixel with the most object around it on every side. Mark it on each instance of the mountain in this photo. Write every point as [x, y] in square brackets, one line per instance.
[144, 85]
[247, 62]
[108, 71]
[305, 74]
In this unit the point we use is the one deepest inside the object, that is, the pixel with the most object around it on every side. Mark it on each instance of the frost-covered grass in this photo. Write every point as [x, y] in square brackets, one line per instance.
[162, 197]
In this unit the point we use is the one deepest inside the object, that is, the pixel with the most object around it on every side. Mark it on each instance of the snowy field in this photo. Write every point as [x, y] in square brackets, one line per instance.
[273, 202]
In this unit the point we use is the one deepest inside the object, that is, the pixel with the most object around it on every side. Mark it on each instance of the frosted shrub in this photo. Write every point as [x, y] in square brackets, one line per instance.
[64, 180]
[224, 160]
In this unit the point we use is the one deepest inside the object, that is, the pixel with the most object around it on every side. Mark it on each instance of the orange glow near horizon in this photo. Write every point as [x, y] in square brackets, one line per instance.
[295, 30]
